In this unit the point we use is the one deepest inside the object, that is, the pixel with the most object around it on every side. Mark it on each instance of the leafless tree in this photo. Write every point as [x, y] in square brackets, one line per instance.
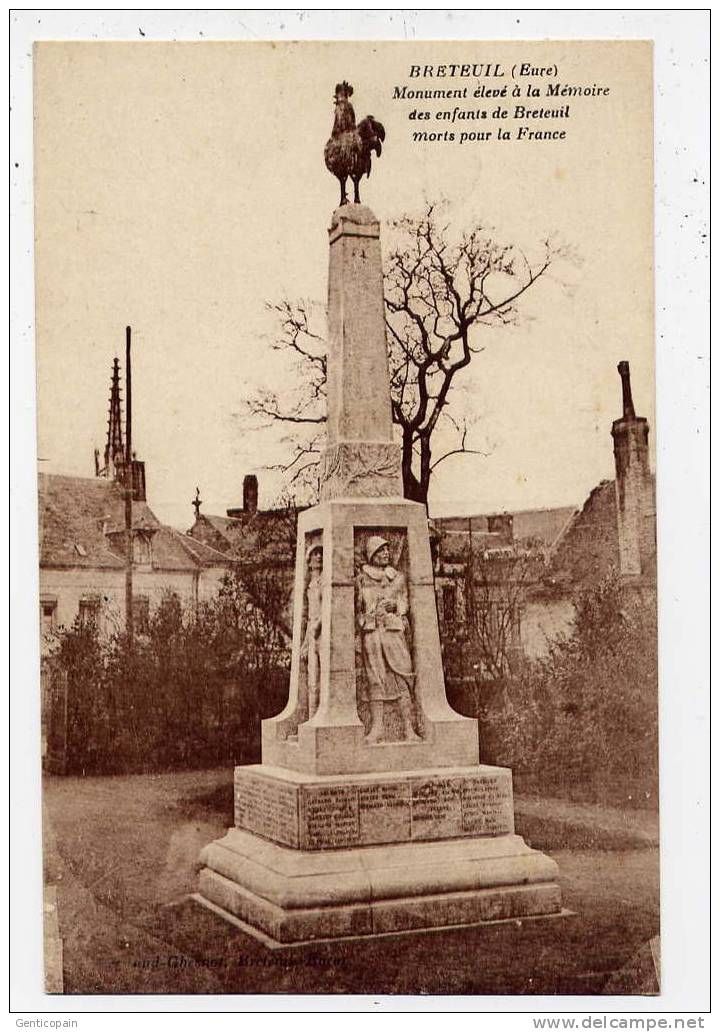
[495, 588]
[300, 326]
[439, 297]
[267, 577]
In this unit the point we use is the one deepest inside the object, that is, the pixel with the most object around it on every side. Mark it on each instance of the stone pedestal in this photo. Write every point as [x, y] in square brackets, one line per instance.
[370, 812]
[315, 857]
[291, 897]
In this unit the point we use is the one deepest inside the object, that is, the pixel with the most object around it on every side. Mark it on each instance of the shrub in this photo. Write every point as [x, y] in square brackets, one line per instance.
[191, 692]
[582, 722]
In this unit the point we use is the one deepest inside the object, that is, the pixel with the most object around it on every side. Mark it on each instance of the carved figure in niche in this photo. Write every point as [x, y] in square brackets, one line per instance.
[382, 608]
[310, 648]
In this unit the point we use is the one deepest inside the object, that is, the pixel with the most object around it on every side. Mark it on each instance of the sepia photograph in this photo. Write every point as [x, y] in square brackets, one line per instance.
[346, 500]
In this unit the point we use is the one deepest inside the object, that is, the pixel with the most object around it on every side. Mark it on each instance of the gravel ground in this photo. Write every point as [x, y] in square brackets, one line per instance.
[121, 852]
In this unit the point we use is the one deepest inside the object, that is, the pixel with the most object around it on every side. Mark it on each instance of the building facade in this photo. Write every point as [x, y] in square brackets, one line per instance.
[506, 583]
[83, 545]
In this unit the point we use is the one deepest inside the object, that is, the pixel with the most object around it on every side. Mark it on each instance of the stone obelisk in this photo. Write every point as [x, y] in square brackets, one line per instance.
[370, 812]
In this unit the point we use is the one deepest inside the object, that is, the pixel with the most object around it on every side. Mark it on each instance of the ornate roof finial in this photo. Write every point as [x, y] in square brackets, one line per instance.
[197, 502]
[114, 455]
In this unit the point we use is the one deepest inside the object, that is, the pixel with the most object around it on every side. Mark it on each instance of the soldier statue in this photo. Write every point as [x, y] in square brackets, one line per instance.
[382, 607]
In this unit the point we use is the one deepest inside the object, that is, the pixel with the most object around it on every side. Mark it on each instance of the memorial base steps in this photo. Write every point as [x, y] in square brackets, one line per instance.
[316, 857]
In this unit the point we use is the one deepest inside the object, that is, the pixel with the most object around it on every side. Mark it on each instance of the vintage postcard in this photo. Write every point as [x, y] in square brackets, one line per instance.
[347, 572]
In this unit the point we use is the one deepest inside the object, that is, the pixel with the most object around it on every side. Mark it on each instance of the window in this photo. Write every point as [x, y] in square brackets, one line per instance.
[142, 547]
[141, 614]
[48, 614]
[449, 598]
[88, 610]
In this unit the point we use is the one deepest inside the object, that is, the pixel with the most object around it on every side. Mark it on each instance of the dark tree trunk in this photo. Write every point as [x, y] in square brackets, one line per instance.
[425, 455]
[415, 489]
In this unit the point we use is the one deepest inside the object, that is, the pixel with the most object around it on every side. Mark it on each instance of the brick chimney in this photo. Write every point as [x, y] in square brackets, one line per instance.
[634, 487]
[250, 493]
[137, 468]
[502, 525]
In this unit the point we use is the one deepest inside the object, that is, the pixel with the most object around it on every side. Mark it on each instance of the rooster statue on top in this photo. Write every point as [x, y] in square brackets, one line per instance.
[348, 151]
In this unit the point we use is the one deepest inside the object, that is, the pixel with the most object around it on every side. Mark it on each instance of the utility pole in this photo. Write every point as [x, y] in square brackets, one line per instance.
[128, 494]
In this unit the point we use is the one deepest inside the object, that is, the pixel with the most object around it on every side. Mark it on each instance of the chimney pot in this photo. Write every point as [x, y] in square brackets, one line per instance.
[627, 398]
[250, 493]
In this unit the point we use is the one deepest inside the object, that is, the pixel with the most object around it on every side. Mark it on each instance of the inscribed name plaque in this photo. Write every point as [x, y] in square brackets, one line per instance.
[266, 807]
[486, 804]
[436, 808]
[385, 814]
[374, 810]
[329, 817]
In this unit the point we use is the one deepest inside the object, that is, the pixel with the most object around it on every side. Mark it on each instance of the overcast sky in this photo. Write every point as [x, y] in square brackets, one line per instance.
[181, 186]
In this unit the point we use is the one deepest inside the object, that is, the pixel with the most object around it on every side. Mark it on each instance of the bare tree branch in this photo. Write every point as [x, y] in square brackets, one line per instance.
[462, 448]
[440, 295]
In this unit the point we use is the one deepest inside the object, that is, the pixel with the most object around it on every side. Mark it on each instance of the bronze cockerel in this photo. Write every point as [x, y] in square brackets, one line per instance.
[349, 149]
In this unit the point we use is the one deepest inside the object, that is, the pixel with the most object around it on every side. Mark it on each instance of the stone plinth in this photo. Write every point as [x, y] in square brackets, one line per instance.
[306, 812]
[291, 897]
[330, 857]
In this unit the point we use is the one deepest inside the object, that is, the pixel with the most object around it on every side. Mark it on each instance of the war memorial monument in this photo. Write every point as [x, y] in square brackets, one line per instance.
[370, 812]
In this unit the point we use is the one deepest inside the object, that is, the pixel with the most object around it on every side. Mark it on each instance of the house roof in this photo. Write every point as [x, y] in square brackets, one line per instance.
[82, 522]
[229, 527]
[173, 550]
[540, 527]
[588, 549]
[197, 550]
[253, 537]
